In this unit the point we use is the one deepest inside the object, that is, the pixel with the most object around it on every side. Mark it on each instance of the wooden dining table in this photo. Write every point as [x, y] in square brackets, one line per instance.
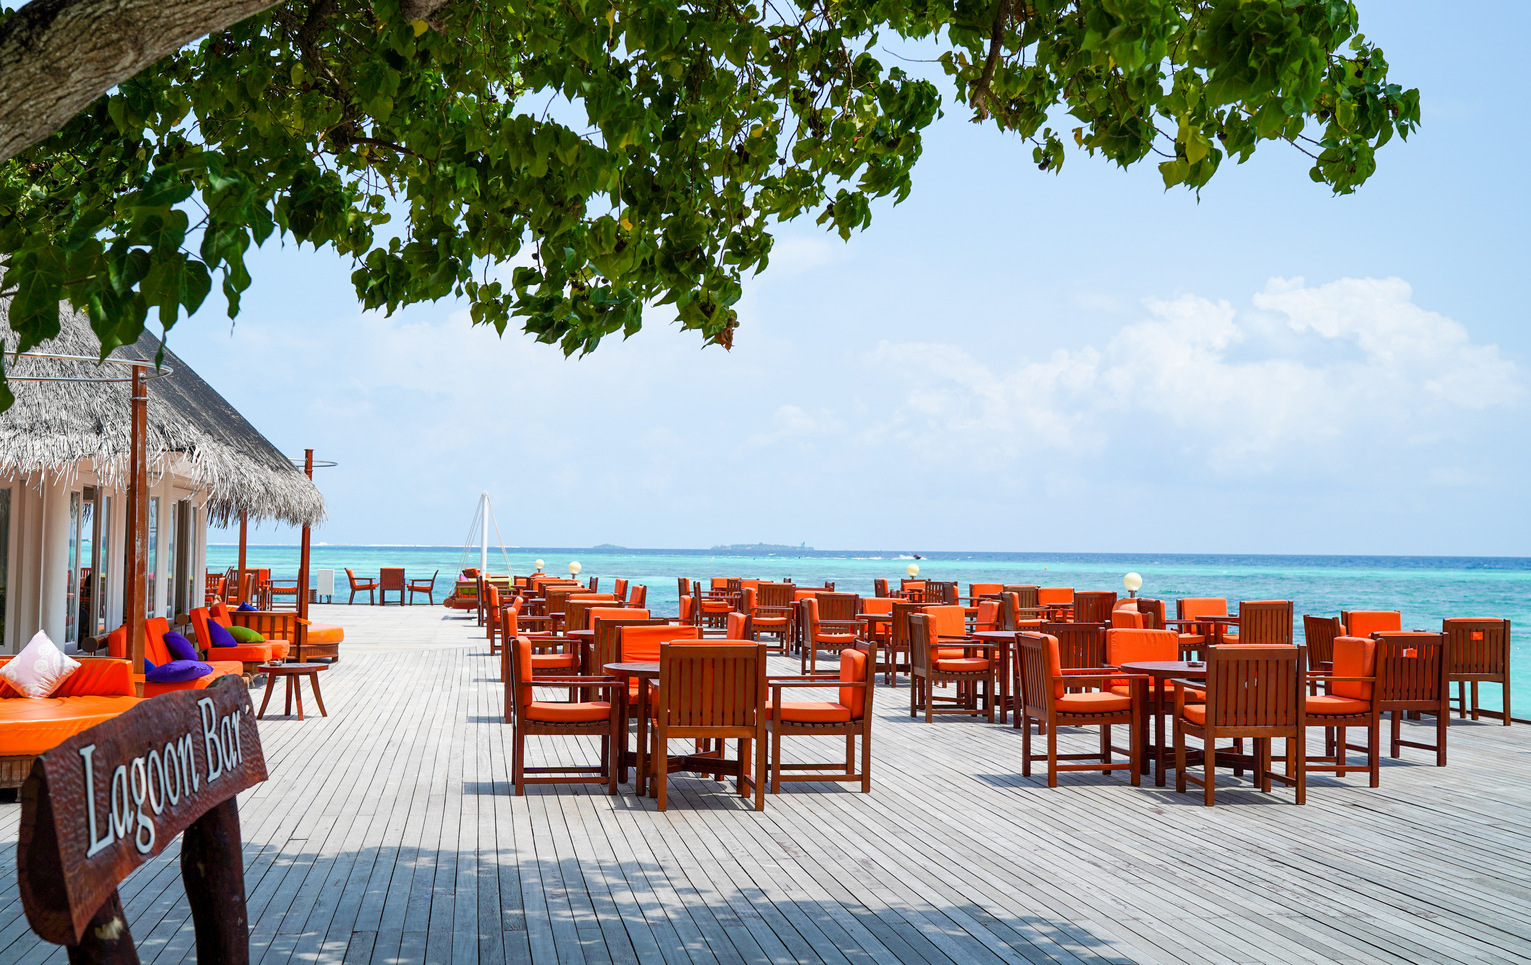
[1158, 704]
[1216, 626]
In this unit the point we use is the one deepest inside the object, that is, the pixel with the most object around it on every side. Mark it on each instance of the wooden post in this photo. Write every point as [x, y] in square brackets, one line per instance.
[244, 535]
[136, 571]
[302, 633]
[213, 870]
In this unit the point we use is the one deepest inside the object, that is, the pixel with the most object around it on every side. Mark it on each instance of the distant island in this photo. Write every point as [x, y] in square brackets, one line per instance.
[608, 547]
[762, 548]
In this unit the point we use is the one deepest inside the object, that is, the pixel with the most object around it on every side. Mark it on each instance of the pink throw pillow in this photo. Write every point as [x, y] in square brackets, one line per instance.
[39, 669]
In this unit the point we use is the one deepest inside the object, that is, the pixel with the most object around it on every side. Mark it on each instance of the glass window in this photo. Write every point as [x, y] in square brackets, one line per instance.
[153, 554]
[72, 593]
[104, 527]
[5, 550]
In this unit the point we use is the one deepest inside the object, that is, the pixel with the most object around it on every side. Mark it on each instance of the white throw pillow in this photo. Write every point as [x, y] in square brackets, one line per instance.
[39, 669]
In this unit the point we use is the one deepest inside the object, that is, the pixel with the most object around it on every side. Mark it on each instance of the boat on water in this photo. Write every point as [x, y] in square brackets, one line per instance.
[464, 595]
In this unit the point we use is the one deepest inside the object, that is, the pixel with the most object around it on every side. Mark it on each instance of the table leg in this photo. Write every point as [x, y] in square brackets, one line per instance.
[1159, 751]
[640, 779]
[297, 687]
[313, 681]
[287, 710]
[270, 685]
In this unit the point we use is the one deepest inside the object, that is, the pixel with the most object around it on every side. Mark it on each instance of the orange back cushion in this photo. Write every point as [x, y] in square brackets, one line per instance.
[1055, 665]
[853, 669]
[117, 643]
[99, 678]
[736, 623]
[155, 650]
[1126, 619]
[877, 604]
[524, 670]
[641, 644]
[947, 621]
[1354, 657]
[615, 613]
[1364, 623]
[1054, 595]
[981, 589]
[988, 615]
[1201, 606]
[220, 613]
[1127, 645]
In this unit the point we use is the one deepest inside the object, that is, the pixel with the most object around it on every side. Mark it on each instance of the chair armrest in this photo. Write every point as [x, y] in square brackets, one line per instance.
[1328, 678]
[781, 685]
[1067, 677]
[820, 675]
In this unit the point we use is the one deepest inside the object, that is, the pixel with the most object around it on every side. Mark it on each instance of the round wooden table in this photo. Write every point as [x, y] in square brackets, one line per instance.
[1159, 671]
[291, 672]
[642, 671]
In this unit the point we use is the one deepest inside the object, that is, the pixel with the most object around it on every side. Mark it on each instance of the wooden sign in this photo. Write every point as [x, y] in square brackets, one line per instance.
[110, 798]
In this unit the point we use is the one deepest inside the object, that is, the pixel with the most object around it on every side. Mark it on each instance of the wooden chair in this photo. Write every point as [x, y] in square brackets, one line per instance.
[987, 617]
[530, 716]
[984, 591]
[619, 589]
[879, 587]
[848, 715]
[390, 579]
[428, 587]
[1251, 692]
[282, 595]
[1015, 613]
[829, 624]
[1081, 645]
[1193, 639]
[1265, 623]
[774, 610]
[550, 656]
[1054, 696]
[594, 584]
[606, 640]
[711, 692]
[213, 585]
[492, 607]
[1318, 635]
[1058, 601]
[638, 596]
[1411, 676]
[898, 642]
[1348, 702]
[713, 607]
[972, 676]
[1478, 651]
[1364, 623]
[1093, 606]
[942, 593]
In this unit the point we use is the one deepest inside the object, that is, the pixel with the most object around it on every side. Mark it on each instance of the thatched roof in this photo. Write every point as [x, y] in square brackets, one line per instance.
[53, 426]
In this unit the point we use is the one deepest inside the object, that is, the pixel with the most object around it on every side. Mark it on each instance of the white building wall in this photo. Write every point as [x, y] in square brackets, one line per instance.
[54, 554]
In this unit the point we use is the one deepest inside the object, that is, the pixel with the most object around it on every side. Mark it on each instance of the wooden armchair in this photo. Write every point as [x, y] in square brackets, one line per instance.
[879, 587]
[1080, 645]
[1094, 606]
[711, 692]
[931, 664]
[1348, 701]
[984, 591]
[1251, 692]
[1054, 696]
[638, 596]
[213, 587]
[284, 590]
[898, 639]
[428, 587]
[830, 624]
[530, 716]
[1478, 651]
[1058, 601]
[390, 579]
[1411, 676]
[848, 715]
[619, 589]
[1264, 623]
[1318, 635]
[1193, 639]
[774, 611]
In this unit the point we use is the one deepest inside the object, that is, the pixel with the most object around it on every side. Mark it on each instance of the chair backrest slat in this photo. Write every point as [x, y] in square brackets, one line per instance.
[1079, 644]
[1318, 635]
[1265, 623]
[1093, 606]
[1477, 647]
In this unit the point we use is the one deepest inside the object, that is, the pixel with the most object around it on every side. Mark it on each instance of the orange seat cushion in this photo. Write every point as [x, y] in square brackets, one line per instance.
[554, 661]
[1092, 702]
[1196, 713]
[579, 712]
[244, 653]
[839, 639]
[29, 727]
[324, 633]
[962, 664]
[812, 711]
[1324, 705]
[1168, 690]
[1192, 639]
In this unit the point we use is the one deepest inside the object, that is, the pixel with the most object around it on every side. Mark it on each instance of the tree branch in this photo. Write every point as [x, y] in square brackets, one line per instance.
[980, 98]
[56, 56]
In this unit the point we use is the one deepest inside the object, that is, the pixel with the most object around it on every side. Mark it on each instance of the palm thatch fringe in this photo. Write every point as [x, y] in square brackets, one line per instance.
[56, 427]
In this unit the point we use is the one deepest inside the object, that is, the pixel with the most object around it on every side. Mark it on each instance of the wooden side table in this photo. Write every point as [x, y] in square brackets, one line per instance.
[291, 672]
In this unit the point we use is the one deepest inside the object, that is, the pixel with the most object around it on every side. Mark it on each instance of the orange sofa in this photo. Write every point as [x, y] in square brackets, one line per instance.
[320, 640]
[157, 653]
[249, 655]
[101, 689]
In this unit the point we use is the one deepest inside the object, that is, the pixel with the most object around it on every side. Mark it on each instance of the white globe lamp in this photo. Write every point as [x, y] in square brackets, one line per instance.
[913, 569]
[1133, 582]
[574, 568]
[539, 564]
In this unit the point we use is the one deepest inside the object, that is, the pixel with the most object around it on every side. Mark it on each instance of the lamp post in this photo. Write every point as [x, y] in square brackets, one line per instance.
[539, 564]
[1133, 582]
[913, 569]
[574, 568]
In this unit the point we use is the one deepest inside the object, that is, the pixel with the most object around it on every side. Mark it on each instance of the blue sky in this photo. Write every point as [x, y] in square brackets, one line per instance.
[1010, 360]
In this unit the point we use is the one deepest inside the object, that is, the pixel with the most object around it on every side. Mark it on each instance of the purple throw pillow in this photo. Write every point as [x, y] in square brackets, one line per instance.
[180, 648]
[219, 634]
[246, 607]
[176, 671]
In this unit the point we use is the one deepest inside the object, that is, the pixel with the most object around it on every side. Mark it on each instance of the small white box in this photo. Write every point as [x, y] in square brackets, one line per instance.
[324, 583]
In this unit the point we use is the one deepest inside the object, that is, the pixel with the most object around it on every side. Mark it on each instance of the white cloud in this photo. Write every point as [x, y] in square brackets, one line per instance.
[1357, 366]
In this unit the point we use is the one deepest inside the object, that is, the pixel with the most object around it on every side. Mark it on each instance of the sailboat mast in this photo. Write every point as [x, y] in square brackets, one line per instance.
[483, 543]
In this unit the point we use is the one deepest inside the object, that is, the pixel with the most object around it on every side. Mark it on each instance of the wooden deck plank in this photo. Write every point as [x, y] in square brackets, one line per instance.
[388, 833]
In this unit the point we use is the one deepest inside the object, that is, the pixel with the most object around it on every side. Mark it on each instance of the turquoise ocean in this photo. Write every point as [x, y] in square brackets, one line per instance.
[1424, 588]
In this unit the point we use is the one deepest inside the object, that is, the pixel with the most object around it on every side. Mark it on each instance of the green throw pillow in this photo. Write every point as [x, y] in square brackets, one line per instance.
[246, 635]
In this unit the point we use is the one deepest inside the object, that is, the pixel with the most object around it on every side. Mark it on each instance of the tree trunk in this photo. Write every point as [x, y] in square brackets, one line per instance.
[56, 56]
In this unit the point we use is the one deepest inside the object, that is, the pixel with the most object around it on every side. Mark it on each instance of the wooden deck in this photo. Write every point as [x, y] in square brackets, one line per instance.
[388, 833]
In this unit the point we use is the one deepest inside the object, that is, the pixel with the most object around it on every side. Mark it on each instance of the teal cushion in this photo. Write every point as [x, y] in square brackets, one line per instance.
[246, 635]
